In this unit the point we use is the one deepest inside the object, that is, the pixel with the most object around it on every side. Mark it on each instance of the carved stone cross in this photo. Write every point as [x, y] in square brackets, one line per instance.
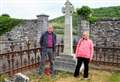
[68, 9]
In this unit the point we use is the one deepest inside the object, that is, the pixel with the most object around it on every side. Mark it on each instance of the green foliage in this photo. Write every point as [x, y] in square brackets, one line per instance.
[74, 32]
[98, 13]
[107, 12]
[7, 23]
[84, 12]
[58, 19]
[6, 15]
[59, 31]
[57, 25]
[92, 19]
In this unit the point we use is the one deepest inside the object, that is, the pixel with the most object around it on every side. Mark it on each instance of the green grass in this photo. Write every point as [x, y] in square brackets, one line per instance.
[115, 77]
[2, 77]
[61, 76]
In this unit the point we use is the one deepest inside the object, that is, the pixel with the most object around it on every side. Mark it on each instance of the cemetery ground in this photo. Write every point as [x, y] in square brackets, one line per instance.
[61, 76]
[95, 75]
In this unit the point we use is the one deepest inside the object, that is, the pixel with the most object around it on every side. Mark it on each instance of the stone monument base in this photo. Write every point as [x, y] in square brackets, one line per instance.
[65, 63]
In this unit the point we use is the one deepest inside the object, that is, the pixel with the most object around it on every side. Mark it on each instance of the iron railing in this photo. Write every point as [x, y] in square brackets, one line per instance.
[14, 61]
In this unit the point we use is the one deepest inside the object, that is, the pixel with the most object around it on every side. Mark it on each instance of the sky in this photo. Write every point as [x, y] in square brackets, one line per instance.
[28, 9]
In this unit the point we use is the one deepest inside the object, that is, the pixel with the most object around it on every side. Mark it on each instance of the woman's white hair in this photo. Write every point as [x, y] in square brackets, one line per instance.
[86, 33]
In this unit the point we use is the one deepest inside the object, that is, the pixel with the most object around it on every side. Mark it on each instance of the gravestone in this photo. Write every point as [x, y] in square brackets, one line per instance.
[19, 77]
[65, 61]
[68, 10]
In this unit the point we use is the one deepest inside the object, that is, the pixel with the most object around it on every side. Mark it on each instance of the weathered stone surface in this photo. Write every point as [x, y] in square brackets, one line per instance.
[83, 25]
[28, 30]
[106, 33]
[68, 42]
[65, 63]
[19, 77]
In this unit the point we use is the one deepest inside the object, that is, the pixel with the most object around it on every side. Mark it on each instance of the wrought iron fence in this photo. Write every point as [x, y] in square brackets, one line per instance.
[102, 55]
[14, 61]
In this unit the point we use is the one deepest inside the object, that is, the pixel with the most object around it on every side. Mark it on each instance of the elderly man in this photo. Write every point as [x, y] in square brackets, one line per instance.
[47, 43]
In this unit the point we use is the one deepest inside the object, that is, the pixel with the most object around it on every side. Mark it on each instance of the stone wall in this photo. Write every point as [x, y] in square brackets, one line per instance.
[29, 29]
[25, 31]
[106, 33]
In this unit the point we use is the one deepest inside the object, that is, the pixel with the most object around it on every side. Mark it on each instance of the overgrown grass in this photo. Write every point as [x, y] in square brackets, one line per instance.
[2, 77]
[115, 77]
[61, 76]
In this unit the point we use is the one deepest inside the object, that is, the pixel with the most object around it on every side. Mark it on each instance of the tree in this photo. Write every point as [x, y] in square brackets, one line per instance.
[7, 24]
[85, 12]
[6, 15]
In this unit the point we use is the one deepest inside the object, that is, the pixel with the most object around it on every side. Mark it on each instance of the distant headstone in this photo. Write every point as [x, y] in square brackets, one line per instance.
[19, 77]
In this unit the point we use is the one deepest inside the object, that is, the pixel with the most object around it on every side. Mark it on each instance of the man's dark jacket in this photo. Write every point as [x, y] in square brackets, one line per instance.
[44, 41]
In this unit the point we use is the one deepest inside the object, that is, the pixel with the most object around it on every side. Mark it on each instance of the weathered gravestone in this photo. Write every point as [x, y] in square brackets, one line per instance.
[19, 77]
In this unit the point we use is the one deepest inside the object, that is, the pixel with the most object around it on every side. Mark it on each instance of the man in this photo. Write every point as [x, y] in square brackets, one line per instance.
[47, 43]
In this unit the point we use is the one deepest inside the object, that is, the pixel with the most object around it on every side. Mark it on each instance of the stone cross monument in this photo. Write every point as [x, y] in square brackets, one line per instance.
[68, 10]
[66, 62]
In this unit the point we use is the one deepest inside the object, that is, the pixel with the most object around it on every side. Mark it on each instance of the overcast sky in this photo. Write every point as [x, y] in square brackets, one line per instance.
[28, 9]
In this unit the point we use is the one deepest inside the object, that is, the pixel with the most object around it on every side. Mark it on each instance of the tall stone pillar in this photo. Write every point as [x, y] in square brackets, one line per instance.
[65, 61]
[42, 23]
[68, 42]
[83, 25]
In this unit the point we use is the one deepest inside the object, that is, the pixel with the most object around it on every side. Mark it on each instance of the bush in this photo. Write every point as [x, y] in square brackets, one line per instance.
[7, 24]
[84, 12]
[6, 15]
[92, 19]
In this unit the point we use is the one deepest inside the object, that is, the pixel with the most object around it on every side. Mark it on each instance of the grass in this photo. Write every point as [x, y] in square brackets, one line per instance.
[115, 77]
[61, 76]
[2, 77]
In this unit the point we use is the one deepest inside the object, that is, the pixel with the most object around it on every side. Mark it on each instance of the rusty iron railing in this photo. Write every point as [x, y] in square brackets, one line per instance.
[14, 61]
[102, 55]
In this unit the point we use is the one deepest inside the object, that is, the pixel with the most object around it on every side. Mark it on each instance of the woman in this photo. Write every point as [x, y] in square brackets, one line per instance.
[84, 53]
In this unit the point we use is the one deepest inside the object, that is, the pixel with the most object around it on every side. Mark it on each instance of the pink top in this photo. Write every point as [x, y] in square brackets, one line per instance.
[85, 49]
